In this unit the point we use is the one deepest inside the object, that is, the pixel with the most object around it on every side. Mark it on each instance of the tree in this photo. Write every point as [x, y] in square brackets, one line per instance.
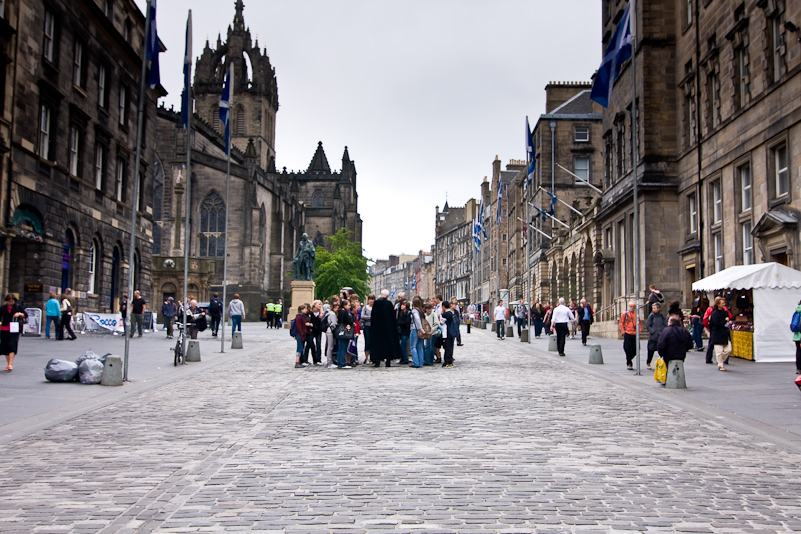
[344, 266]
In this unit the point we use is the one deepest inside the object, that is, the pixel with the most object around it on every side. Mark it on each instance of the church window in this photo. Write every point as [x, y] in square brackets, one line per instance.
[317, 200]
[240, 121]
[212, 227]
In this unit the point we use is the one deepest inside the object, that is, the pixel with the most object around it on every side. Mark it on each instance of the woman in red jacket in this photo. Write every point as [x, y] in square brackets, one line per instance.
[302, 322]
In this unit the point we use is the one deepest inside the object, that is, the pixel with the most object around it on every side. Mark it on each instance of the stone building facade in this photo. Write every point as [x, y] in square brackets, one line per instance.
[268, 210]
[407, 273]
[453, 251]
[73, 109]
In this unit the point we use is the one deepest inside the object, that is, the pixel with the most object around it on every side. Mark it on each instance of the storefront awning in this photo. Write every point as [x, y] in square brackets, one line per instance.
[763, 275]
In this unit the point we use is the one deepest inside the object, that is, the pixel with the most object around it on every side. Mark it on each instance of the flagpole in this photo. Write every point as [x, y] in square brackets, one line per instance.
[188, 177]
[227, 205]
[135, 200]
[634, 156]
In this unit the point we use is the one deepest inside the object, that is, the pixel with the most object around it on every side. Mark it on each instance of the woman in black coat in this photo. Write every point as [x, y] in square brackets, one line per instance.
[674, 341]
[719, 332]
[10, 313]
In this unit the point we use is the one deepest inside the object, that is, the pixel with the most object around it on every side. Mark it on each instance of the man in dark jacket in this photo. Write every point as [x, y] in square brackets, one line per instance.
[586, 318]
[314, 335]
[169, 310]
[215, 312]
[384, 341]
[674, 341]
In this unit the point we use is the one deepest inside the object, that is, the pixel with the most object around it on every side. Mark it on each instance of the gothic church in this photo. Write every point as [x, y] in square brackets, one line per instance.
[268, 209]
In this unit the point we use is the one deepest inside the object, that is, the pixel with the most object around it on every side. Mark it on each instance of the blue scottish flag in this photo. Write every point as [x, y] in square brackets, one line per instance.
[152, 49]
[225, 106]
[618, 51]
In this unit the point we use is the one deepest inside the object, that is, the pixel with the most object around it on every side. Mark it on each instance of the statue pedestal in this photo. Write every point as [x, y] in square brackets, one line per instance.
[302, 293]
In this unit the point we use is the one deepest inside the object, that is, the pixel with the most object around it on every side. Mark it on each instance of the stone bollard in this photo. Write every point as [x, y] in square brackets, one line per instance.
[552, 344]
[524, 335]
[192, 351]
[494, 326]
[510, 331]
[236, 342]
[596, 355]
[112, 371]
[675, 375]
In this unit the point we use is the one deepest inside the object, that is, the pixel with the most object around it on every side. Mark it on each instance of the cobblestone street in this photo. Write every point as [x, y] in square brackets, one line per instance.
[509, 440]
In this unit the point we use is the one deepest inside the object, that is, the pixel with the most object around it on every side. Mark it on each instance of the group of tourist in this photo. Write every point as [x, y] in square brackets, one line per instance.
[421, 333]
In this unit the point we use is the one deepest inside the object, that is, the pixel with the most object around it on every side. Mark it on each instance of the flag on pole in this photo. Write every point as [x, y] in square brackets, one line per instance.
[414, 281]
[186, 98]
[618, 51]
[225, 105]
[481, 222]
[532, 161]
[542, 211]
[406, 284]
[553, 201]
[152, 49]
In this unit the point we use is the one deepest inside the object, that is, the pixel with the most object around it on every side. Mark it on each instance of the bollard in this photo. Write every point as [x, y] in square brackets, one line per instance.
[236, 341]
[524, 335]
[192, 351]
[510, 331]
[112, 371]
[596, 355]
[494, 326]
[675, 375]
[552, 344]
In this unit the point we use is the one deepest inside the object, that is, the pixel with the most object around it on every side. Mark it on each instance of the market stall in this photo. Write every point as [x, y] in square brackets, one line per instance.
[762, 299]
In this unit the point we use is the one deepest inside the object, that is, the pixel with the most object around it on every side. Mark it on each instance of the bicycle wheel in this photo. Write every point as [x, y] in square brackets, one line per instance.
[177, 353]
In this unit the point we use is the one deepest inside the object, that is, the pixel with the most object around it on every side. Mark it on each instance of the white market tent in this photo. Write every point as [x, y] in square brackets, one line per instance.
[776, 293]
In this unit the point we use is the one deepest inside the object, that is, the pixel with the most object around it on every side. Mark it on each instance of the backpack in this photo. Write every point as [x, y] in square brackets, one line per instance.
[215, 306]
[425, 332]
[292, 330]
[325, 323]
[795, 324]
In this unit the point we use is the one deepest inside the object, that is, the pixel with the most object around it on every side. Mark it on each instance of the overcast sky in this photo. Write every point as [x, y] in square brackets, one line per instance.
[424, 93]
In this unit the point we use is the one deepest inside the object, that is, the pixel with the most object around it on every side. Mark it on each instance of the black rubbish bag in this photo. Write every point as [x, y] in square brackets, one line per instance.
[61, 370]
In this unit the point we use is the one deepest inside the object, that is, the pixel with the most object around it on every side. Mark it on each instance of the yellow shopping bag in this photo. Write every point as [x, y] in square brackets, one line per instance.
[660, 374]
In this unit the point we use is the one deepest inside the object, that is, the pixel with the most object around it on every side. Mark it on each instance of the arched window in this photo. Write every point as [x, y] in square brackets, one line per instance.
[94, 257]
[317, 200]
[212, 227]
[240, 121]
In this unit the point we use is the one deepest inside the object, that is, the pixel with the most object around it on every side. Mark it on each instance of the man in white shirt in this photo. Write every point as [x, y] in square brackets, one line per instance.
[500, 320]
[560, 320]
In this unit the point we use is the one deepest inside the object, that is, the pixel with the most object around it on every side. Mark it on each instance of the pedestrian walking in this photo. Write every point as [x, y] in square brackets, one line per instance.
[546, 319]
[719, 323]
[169, 310]
[560, 323]
[656, 324]
[236, 310]
[10, 317]
[66, 317]
[215, 312]
[384, 343]
[628, 327]
[270, 311]
[710, 348]
[586, 317]
[797, 337]
[656, 296]
[278, 320]
[471, 316]
[123, 314]
[500, 320]
[537, 314]
[138, 307]
[457, 317]
[674, 341]
[521, 317]
[573, 308]
[53, 314]
[366, 323]
[302, 324]
[698, 328]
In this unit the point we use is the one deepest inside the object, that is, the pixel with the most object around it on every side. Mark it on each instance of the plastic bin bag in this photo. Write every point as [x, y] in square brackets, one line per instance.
[61, 371]
[90, 371]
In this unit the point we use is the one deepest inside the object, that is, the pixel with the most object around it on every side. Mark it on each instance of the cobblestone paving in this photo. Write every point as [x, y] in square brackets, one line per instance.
[506, 441]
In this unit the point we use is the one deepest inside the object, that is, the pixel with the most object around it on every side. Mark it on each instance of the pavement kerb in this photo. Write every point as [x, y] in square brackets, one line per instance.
[730, 420]
[130, 389]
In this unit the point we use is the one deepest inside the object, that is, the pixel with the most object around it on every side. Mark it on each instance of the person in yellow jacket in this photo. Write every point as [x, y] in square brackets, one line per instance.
[279, 314]
[270, 314]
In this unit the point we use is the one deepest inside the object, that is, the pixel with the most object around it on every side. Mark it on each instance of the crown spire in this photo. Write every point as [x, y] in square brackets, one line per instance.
[239, 20]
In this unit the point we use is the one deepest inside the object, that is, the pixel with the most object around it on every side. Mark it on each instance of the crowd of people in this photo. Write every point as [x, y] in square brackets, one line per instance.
[419, 333]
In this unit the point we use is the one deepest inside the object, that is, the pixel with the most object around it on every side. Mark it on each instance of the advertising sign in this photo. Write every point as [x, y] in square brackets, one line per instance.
[111, 322]
[34, 325]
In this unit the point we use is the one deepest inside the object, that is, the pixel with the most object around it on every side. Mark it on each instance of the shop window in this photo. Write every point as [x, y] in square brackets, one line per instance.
[748, 243]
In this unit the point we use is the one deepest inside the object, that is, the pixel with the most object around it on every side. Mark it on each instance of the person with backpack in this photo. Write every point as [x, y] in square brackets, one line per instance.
[795, 326]
[215, 311]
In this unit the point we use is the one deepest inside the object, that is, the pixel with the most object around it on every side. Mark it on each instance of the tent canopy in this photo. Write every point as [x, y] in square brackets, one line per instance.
[763, 275]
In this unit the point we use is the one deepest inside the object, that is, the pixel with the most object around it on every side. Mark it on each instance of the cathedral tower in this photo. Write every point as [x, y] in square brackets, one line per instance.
[255, 101]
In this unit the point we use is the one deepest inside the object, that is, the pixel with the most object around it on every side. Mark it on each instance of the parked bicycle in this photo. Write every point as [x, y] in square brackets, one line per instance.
[180, 346]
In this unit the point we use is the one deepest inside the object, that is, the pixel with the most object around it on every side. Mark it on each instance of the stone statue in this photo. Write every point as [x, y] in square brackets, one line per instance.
[303, 264]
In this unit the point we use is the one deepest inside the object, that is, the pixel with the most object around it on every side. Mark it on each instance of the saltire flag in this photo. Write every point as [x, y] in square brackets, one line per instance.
[481, 219]
[542, 211]
[414, 281]
[152, 49]
[500, 197]
[618, 51]
[406, 284]
[225, 106]
[532, 161]
[553, 201]
[393, 292]
[186, 98]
